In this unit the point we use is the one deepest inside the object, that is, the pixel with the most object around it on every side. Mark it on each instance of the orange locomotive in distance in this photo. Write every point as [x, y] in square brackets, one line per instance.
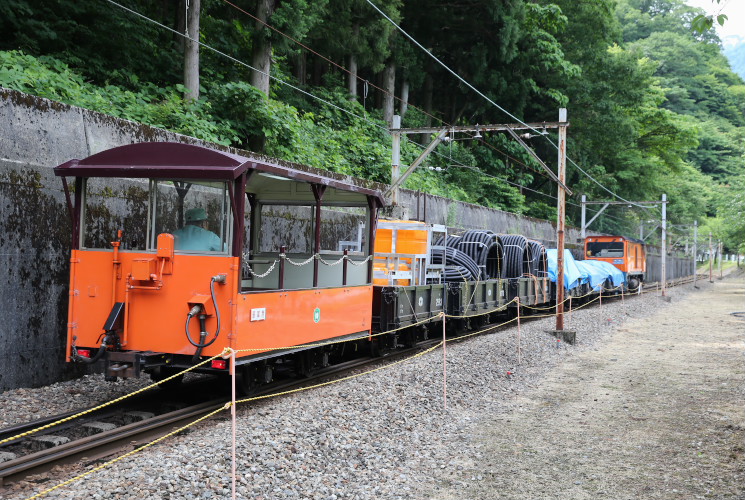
[627, 254]
[180, 251]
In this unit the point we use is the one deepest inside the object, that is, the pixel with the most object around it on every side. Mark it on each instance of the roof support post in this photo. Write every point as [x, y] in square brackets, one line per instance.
[318, 190]
[373, 204]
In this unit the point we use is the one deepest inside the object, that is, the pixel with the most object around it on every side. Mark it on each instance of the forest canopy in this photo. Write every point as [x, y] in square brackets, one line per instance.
[653, 104]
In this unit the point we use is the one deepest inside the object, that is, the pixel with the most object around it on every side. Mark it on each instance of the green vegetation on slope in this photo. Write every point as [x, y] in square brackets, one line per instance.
[653, 105]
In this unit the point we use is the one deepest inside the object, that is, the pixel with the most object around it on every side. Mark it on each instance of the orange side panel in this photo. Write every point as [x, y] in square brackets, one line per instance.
[155, 318]
[301, 316]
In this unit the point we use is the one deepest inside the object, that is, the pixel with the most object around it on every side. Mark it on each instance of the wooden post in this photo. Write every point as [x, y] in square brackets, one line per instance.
[711, 260]
[695, 251]
[664, 243]
[560, 220]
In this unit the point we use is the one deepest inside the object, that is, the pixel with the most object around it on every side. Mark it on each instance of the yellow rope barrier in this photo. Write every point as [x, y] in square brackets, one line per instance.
[109, 403]
[128, 454]
[225, 407]
[349, 377]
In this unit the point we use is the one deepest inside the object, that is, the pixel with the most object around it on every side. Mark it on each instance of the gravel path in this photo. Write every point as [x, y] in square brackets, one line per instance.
[386, 434]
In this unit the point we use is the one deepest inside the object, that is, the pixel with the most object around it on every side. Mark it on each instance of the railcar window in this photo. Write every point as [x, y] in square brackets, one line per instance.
[196, 213]
[605, 249]
[343, 228]
[291, 226]
[111, 205]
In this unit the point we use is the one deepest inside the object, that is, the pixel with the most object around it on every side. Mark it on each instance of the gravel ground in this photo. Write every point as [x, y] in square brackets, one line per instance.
[381, 435]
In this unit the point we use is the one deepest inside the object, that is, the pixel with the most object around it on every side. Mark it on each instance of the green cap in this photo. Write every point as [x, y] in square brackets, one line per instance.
[196, 215]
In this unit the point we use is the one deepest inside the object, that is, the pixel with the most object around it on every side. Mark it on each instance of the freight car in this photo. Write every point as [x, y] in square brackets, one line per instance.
[179, 251]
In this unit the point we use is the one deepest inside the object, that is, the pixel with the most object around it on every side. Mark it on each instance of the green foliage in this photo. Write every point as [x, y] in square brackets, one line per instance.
[157, 106]
[654, 106]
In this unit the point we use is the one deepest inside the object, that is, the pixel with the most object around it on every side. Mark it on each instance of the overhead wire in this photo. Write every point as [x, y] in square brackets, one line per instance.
[238, 61]
[503, 110]
[309, 94]
[521, 186]
[332, 62]
[313, 96]
[384, 91]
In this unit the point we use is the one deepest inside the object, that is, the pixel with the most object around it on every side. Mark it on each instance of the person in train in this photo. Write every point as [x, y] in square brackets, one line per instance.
[194, 235]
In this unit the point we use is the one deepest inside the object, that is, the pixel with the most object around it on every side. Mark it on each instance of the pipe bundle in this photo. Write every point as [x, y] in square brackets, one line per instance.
[485, 248]
[539, 264]
[458, 265]
[518, 255]
[473, 256]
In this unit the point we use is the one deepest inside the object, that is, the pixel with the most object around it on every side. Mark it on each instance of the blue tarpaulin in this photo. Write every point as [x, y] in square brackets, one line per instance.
[596, 274]
[618, 276]
[573, 277]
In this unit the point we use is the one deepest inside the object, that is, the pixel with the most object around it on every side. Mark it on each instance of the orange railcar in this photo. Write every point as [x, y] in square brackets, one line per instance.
[180, 251]
[627, 254]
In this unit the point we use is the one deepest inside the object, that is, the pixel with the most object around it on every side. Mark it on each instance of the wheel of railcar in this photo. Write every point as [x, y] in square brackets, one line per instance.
[304, 365]
[162, 373]
[246, 382]
[266, 372]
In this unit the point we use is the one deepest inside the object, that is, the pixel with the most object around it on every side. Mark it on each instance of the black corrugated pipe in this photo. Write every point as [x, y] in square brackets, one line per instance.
[518, 255]
[539, 265]
[458, 265]
[485, 248]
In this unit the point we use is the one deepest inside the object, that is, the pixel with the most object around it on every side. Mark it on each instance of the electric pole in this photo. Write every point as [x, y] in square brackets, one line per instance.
[560, 220]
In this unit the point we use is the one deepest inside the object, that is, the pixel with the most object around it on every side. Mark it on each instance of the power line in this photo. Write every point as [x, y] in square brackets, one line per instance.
[309, 94]
[330, 61]
[476, 169]
[238, 61]
[462, 80]
[384, 91]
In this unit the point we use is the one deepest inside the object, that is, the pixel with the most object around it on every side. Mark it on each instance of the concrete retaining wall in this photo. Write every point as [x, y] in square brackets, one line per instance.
[35, 136]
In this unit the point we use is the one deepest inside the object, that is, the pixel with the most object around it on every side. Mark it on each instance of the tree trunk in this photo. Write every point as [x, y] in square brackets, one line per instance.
[389, 84]
[404, 106]
[191, 51]
[352, 78]
[261, 55]
[180, 24]
[301, 69]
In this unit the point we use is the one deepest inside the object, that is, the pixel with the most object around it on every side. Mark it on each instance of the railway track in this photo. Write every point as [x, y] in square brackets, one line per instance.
[87, 440]
[119, 429]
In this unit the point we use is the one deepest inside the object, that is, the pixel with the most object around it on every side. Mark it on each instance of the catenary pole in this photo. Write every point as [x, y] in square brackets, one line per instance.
[395, 157]
[560, 220]
[584, 215]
